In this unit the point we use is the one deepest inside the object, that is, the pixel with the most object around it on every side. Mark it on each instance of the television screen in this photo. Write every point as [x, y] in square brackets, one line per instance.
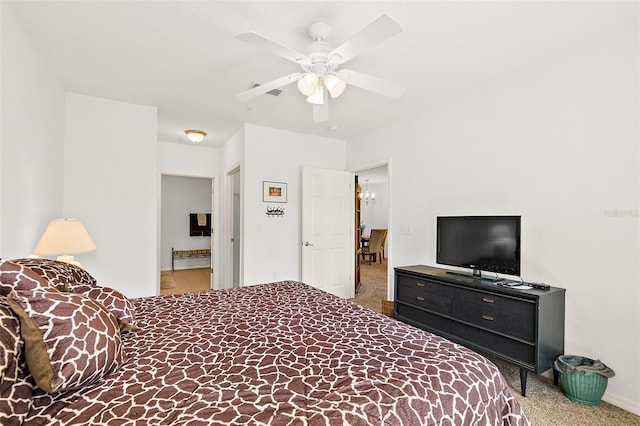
[481, 243]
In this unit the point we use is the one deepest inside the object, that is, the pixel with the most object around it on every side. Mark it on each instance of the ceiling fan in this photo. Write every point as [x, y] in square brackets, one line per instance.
[321, 75]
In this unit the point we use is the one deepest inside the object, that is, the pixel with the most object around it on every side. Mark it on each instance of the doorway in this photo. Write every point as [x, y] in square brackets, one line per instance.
[374, 214]
[186, 229]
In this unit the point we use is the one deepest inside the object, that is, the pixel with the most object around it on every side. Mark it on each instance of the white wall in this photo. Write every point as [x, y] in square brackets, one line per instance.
[31, 140]
[180, 197]
[558, 144]
[188, 160]
[272, 244]
[110, 183]
[66, 155]
[232, 158]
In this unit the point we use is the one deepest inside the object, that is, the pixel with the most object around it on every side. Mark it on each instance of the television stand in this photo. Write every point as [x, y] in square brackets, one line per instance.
[522, 327]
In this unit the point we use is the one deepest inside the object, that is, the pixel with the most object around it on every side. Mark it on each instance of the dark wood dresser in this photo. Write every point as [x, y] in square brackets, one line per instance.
[523, 327]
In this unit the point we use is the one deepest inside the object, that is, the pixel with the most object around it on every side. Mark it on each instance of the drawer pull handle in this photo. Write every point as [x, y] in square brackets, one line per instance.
[419, 284]
[488, 300]
[487, 317]
[420, 298]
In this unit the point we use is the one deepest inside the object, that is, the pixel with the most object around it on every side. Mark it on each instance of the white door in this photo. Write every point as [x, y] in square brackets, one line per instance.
[328, 256]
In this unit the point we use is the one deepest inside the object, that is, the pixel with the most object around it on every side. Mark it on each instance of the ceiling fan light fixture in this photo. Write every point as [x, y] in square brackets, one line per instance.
[320, 62]
[334, 85]
[317, 97]
[308, 83]
[195, 136]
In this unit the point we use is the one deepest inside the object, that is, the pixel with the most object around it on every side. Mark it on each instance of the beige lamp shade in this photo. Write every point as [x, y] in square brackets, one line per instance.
[64, 237]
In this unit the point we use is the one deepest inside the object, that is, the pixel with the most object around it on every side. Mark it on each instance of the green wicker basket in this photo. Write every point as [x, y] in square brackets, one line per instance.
[585, 389]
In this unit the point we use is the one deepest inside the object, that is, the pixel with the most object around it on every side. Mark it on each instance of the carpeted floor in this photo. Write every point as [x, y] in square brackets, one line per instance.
[373, 288]
[545, 404]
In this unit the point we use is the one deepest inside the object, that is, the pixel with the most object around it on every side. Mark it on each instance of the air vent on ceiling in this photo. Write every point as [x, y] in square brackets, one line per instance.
[274, 92]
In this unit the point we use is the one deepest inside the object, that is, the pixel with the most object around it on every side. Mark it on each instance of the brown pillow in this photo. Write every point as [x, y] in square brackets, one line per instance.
[117, 303]
[12, 274]
[67, 277]
[15, 391]
[59, 274]
[70, 340]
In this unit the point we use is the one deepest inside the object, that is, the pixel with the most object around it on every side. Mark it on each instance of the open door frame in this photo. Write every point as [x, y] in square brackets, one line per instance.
[232, 259]
[214, 277]
[389, 250]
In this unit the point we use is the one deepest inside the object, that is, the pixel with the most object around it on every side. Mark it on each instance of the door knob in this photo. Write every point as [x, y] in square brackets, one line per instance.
[307, 244]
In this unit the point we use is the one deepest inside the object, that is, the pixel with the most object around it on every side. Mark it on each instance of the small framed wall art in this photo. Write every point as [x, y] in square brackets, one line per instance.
[274, 192]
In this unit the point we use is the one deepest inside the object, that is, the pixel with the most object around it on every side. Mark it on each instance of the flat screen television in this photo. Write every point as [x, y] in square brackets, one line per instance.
[481, 243]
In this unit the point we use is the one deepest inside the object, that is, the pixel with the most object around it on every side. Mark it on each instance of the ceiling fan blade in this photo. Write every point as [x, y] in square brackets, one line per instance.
[375, 33]
[371, 83]
[264, 88]
[281, 50]
[321, 112]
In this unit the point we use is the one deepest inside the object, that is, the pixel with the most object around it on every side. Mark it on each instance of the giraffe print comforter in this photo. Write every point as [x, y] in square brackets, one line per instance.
[283, 354]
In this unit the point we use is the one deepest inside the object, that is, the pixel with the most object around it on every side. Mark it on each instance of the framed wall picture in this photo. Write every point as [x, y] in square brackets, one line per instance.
[274, 192]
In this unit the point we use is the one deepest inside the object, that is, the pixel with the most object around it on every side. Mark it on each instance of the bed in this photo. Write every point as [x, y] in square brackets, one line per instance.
[281, 353]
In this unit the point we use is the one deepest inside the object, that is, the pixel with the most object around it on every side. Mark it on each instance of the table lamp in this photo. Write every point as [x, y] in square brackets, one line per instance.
[64, 237]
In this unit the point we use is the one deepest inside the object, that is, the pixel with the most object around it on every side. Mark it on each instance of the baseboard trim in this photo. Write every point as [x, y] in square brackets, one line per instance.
[624, 403]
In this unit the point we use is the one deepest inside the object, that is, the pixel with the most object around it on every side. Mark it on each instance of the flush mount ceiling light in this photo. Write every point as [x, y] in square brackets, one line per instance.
[195, 136]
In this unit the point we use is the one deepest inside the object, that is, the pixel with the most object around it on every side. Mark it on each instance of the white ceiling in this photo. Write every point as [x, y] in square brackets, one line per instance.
[183, 58]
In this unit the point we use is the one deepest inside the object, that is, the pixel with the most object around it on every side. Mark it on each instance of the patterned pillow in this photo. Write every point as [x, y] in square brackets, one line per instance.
[70, 340]
[67, 277]
[116, 302]
[60, 274]
[12, 275]
[15, 392]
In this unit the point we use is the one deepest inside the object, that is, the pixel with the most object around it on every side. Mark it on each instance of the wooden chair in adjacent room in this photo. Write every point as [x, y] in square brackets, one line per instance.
[374, 249]
[384, 240]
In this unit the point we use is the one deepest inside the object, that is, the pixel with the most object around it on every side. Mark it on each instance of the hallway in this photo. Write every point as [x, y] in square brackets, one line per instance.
[374, 285]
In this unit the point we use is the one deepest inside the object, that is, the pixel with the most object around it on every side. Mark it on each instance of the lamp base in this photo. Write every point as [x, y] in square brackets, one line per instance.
[69, 259]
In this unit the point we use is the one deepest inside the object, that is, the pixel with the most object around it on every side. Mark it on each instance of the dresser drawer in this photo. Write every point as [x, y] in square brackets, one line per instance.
[423, 319]
[424, 293]
[487, 316]
[487, 341]
[522, 307]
